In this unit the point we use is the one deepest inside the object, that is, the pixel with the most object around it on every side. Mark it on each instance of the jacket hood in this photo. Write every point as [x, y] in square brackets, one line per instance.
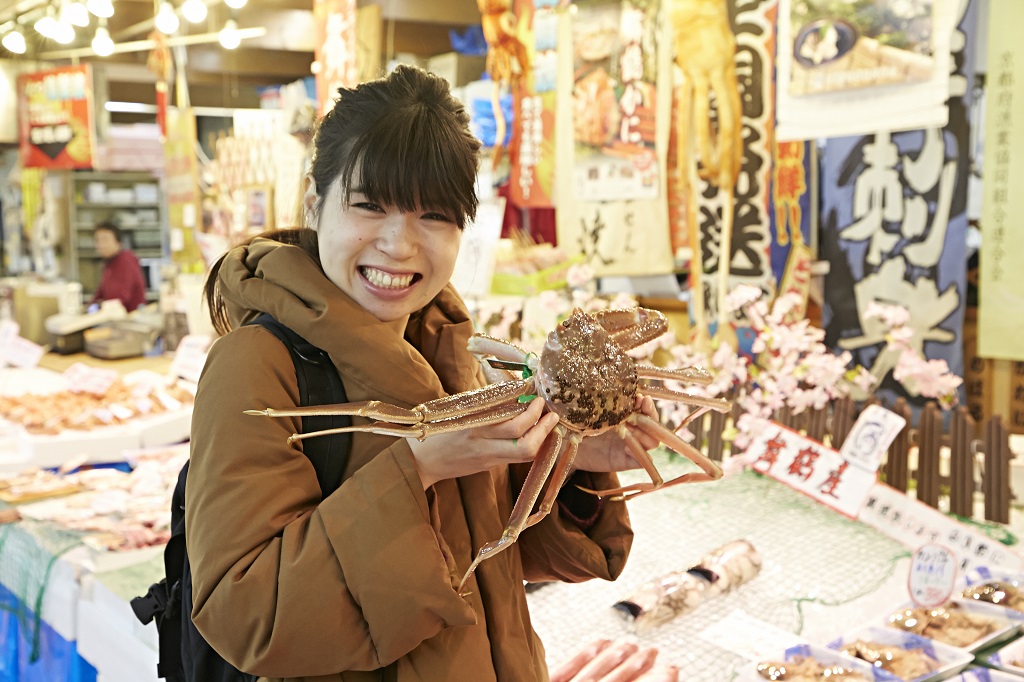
[285, 281]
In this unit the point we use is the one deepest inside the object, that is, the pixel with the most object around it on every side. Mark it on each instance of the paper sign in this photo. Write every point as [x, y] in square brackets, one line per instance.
[742, 634]
[874, 432]
[811, 468]
[932, 575]
[190, 357]
[21, 352]
[914, 523]
[82, 378]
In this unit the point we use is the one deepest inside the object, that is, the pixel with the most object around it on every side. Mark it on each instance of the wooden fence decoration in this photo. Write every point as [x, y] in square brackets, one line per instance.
[968, 473]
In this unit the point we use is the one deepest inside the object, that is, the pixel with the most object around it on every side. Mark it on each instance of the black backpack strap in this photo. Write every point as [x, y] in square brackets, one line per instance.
[319, 384]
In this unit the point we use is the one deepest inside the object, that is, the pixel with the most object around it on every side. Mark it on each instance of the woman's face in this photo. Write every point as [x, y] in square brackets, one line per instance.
[389, 262]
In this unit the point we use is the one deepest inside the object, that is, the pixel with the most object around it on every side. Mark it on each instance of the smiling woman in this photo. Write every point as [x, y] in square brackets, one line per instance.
[283, 571]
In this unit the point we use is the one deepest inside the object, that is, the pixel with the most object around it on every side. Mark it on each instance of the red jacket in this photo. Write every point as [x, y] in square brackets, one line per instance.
[122, 279]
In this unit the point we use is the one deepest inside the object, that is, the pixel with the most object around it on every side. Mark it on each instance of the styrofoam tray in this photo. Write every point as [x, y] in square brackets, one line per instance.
[950, 659]
[825, 656]
[1006, 627]
[984, 675]
[1009, 658]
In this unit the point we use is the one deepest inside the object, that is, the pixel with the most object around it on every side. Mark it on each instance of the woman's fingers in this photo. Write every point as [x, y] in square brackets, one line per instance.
[661, 674]
[605, 662]
[633, 667]
[568, 670]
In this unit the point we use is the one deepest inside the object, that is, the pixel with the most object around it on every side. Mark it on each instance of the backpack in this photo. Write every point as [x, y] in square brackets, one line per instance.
[184, 655]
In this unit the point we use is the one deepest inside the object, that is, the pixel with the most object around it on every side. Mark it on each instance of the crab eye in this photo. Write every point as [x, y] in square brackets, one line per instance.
[565, 323]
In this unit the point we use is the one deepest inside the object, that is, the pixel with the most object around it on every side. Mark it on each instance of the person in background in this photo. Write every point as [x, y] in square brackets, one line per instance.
[122, 274]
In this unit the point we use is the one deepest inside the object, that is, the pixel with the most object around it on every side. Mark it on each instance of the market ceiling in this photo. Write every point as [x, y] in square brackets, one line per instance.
[281, 52]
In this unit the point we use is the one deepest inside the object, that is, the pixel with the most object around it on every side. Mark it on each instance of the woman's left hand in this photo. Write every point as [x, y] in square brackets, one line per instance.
[608, 452]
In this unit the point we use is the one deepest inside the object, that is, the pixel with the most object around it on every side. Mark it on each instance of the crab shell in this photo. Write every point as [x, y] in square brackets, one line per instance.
[585, 377]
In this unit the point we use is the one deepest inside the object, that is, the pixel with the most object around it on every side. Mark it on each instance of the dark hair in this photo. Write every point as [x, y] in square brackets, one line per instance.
[407, 141]
[109, 226]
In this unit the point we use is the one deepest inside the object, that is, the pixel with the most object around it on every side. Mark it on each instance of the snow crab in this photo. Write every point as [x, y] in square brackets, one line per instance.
[584, 375]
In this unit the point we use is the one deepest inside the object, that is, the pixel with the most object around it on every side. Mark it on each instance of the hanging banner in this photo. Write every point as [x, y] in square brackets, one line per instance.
[55, 122]
[894, 224]
[533, 142]
[615, 237]
[752, 22]
[791, 215]
[335, 49]
[181, 189]
[1001, 287]
[614, 100]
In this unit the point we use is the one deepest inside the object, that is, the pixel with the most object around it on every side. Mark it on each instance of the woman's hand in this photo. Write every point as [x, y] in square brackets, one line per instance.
[602, 661]
[460, 453]
[608, 451]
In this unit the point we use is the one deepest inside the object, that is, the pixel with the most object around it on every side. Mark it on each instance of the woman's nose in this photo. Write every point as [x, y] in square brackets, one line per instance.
[398, 236]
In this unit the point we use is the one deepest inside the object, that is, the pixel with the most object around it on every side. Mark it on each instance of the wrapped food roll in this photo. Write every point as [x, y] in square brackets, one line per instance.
[659, 601]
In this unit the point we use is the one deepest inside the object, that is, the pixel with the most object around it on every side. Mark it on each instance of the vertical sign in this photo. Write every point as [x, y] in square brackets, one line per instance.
[336, 48]
[1001, 289]
[894, 222]
[55, 120]
[181, 187]
[533, 140]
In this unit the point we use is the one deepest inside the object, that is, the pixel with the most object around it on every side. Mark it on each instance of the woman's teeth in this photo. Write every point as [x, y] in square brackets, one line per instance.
[382, 279]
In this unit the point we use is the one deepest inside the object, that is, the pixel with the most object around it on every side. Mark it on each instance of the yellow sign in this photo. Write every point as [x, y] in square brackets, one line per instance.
[1001, 287]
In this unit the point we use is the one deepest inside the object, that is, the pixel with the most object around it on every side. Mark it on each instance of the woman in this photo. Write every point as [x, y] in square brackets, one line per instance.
[362, 584]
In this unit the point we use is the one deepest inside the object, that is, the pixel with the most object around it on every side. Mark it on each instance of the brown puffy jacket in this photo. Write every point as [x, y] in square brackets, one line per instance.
[362, 585]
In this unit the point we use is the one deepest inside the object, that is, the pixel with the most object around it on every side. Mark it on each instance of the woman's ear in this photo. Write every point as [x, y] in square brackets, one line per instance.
[309, 198]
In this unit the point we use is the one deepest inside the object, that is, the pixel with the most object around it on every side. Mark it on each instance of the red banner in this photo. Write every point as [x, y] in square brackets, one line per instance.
[55, 123]
[336, 49]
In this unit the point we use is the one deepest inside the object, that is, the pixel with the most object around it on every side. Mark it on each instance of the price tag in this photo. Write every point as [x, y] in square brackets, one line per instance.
[932, 575]
[190, 357]
[20, 352]
[875, 430]
[82, 378]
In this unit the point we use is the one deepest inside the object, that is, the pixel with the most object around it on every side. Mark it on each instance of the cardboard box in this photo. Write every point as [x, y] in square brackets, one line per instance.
[457, 69]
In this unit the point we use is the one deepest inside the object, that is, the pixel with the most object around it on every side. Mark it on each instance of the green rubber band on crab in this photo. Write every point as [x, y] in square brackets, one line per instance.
[527, 372]
[526, 398]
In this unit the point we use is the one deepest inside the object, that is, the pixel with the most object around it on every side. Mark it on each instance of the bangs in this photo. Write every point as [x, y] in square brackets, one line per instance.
[405, 160]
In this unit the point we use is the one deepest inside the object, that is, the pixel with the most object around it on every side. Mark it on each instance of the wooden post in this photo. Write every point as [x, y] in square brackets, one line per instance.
[844, 414]
[929, 445]
[997, 471]
[716, 444]
[895, 467]
[961, 463]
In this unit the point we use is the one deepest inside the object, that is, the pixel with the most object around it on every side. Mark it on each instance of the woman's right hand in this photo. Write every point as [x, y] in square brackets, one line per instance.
[470, 451]
[604, 661]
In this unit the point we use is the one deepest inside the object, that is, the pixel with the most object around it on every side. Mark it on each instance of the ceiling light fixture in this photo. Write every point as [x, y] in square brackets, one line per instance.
[77, 14]
[228, 36]
[102, 45]
[235, 4]
[14, 42]
[104, 9]
[166, 19]
[194, 10]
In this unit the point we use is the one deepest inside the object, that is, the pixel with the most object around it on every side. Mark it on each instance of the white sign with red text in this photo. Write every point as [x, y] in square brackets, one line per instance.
[15, 350]
[811, 468]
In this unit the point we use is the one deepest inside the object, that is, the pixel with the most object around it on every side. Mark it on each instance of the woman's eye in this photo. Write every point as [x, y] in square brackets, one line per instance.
[369, 206]
[437, 216]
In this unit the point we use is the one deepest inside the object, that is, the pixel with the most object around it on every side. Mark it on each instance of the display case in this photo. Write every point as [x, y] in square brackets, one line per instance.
[132, 200]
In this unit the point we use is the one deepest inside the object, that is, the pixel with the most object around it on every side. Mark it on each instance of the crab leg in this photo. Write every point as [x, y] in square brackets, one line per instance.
[653, 428]
[648, 325]
[426, 429]
[532, 486]
[433, 410]
[717, 404]
[483, 346]
[689, 375]
[556, 480]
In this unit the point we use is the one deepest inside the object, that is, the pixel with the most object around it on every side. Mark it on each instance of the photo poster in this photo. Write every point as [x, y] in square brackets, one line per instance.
[620, 237]
[55, 118]
[893, 228]
[1001, 290]
[838, 45]
[753, 23]
[335, 51]
[615, 100]
[791, 214]
[532, 148]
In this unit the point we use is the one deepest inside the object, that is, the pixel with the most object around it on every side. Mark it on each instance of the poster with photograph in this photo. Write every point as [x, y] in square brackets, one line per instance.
[613, 100]
[56, 129]
[842, 45]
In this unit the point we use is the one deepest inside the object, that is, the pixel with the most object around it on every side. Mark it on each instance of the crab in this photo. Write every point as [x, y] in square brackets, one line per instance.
[583, 375]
